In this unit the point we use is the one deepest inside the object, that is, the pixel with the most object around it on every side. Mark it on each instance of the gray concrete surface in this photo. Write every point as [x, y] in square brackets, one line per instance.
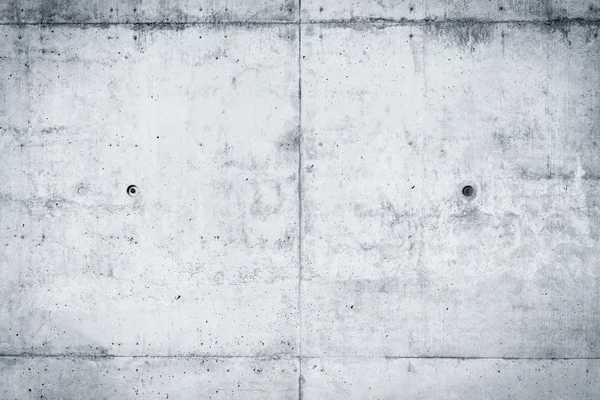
[300, 230]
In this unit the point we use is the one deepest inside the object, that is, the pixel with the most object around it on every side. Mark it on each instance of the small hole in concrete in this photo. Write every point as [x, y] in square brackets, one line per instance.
[468, 191]
[132, 190]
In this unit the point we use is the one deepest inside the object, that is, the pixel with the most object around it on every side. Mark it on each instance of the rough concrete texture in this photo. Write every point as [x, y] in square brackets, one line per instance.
[300, 230]
[444, 10]
[149, 378]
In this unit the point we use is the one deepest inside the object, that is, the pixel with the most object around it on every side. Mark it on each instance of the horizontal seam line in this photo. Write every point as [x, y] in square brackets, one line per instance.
[289, 357]
[457, 358]
[109, 356]
[365, 21]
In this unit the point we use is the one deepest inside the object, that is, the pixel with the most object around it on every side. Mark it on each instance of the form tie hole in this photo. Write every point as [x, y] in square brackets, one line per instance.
[468, 191]
[132, 190]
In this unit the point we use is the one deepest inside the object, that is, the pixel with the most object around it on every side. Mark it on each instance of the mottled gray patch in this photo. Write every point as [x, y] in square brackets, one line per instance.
[263, 206]
[465, 35]
[290, 141]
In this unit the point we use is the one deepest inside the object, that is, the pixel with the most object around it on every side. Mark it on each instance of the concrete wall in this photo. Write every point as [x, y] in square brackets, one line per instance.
[300, 230]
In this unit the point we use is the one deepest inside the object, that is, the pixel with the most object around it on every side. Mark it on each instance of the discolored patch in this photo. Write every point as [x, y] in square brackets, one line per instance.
[465, 35]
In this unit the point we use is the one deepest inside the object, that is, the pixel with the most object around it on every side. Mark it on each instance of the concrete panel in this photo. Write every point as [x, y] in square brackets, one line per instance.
[436, 379]
[444, 10]
[396, 260]
[146, 11]
[204, 259]
[148, 378]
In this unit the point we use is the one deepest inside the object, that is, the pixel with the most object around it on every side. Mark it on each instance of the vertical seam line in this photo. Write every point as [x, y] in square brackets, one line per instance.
[300, 220]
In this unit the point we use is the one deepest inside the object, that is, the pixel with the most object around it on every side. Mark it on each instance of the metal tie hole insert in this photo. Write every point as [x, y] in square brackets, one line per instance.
[468, 191]
[132, 190]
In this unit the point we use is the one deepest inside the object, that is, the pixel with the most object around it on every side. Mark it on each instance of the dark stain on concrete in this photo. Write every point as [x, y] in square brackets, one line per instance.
[593, 11]
[564, 30]
[290, 141]
[591, 33]
[560, 175]
[467, 36]
[289, 9]
[135, 11]
[289, 33]
[546, 9]
[390, 216]
[502, 140]
[50, 11]
[218, 16]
